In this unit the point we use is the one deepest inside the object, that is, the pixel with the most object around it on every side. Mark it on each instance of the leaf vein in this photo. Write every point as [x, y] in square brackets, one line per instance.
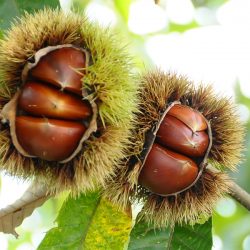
[89, 224]
[182, 242]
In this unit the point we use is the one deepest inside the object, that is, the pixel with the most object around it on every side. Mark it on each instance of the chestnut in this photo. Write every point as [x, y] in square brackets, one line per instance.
[178, 136]
[62, 67]
[166, 172]
[162, 171]
[49, 139]
[40, 99]
[51, 120]
[191, 117]
[179, 147]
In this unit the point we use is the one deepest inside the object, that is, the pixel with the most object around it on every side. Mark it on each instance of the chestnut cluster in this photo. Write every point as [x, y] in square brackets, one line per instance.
[51, 115]
[181, 142]
[67, 100]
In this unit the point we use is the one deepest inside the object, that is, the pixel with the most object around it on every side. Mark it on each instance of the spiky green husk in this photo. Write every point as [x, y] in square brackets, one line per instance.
[109, 78]
[158, 90]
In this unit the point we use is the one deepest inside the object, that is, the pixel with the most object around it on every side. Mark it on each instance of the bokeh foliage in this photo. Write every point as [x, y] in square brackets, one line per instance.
[14, 8]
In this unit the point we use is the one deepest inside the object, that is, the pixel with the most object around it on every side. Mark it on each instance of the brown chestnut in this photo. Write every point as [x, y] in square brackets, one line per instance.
[49, 139]
[180, 145]
[39, 99]
[174, 134]
[60, 66]
[166, 172]
[192, 118]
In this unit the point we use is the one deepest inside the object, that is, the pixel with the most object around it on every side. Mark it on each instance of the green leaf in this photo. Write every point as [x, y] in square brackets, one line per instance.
[30, 6]
[89, 222]
[240, 97]
[186, 237]
[123, 8]
[79, 5]
[8, 10]
[209, 3]
[173, 27]
[14, 8]
[144, 236]
[197, 237]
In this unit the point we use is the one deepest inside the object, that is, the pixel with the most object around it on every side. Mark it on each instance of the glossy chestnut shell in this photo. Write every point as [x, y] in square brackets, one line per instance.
[40, 99]
[166, 172]
[181, 142]
[50, 139]
[63, 68]
[174, 134]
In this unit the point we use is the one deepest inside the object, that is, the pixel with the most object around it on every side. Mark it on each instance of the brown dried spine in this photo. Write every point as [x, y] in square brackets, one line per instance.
[48, 118]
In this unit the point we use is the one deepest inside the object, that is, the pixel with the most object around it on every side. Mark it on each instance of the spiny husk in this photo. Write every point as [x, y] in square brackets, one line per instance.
[187, 207]
[108, 78]
[158, 90]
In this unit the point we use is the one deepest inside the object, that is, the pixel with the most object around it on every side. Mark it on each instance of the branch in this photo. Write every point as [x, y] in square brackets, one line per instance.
[235, 191]
[240, 195]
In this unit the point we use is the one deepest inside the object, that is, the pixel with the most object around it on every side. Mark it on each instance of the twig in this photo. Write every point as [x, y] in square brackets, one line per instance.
[235, 191]
[240, 195]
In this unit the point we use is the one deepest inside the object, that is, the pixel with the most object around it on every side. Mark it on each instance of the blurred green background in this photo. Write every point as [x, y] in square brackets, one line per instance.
[207, 40]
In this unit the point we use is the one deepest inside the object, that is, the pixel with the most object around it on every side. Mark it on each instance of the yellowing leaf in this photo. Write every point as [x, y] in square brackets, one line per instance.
[89, 222]
[109, 229]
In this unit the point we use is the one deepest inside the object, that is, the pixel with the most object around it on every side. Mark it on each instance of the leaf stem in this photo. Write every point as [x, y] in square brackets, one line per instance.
[240, 195]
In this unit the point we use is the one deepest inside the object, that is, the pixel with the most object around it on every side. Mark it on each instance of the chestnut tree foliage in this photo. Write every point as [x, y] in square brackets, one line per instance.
[92, 222]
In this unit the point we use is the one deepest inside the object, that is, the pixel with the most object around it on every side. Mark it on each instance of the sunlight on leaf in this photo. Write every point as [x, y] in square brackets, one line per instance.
[123, 8]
